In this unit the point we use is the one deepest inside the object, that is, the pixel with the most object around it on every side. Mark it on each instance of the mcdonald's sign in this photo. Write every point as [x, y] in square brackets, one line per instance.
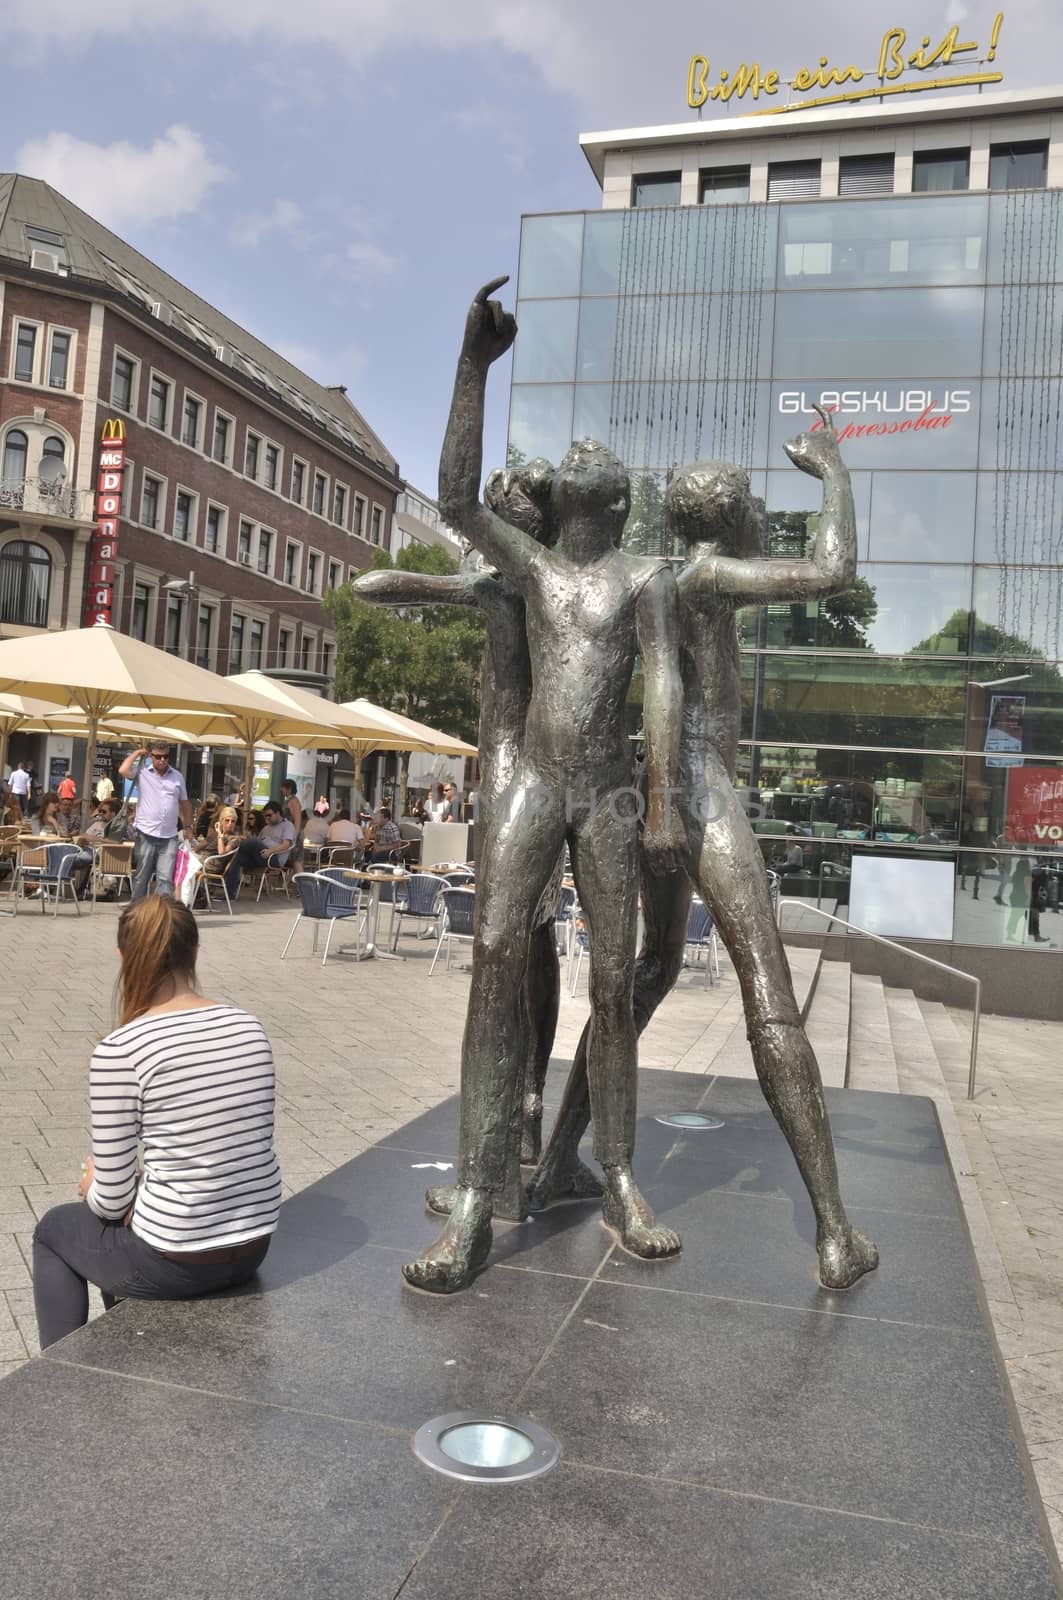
[110, 476]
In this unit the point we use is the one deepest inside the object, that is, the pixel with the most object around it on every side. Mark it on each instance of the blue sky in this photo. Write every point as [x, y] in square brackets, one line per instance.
[340, 175]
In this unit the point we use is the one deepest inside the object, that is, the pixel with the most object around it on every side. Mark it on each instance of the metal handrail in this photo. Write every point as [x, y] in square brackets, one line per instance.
[916, 955]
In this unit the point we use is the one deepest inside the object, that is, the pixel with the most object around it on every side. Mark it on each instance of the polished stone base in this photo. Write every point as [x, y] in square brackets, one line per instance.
[727, 1427]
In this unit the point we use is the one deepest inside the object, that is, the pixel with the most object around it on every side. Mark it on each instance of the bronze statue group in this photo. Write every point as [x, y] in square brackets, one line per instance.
[567, 613]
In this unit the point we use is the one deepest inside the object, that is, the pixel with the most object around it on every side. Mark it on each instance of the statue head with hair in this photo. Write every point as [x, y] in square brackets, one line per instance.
[711, 503]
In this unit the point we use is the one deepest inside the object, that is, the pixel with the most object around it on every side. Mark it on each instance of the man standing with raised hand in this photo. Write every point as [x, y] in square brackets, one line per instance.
[163, 811]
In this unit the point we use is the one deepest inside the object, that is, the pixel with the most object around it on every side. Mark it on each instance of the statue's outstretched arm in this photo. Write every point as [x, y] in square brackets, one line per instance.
[395, 588]
[489, 332]
[657, 620]
[831, 567]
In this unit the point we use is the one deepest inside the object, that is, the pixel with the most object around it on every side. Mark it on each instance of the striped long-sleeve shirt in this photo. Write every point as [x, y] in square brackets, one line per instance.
[196, 1089]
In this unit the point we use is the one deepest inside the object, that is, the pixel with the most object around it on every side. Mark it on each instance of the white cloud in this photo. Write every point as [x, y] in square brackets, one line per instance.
[500, 127]
[284, 217]
[337, 366]
[124, 183]
[367, 262]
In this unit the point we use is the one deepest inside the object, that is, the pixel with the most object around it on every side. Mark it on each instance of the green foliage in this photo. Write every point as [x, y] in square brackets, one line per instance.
[422, 661]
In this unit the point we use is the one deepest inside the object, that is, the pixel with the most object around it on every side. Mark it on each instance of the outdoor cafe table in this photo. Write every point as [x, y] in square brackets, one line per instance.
[377, 880]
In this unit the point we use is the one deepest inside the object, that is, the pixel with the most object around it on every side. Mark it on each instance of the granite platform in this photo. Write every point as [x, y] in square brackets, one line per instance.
[727, 1427]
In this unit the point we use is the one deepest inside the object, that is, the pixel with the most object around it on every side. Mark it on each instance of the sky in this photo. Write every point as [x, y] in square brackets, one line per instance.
[340, 176]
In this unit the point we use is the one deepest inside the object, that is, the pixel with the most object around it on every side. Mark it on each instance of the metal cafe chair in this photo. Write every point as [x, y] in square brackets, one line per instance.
[272, 871]
[459, 907]
[30, 857]
[325, 899]
[701, 938]
[335, 855]
[54, 878]
[112, 860]
[421, 899]
[564, 918]
[214, 875]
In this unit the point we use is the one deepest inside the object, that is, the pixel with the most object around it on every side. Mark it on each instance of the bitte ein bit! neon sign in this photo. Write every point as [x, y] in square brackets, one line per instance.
[894, 62]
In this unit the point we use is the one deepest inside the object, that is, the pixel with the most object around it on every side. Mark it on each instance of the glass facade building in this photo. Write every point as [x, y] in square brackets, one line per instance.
[923, 711]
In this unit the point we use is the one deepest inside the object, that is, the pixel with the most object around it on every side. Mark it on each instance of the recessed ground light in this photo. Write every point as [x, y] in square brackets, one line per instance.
[694, 1121]
[485, 1449]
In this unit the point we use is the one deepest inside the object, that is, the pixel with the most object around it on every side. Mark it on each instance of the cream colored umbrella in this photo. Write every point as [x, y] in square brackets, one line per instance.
[19, 714]
[418, 735]
[104, 673]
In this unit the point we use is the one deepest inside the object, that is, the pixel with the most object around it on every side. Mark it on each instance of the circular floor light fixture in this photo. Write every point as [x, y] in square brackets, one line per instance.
[690, 1121]
[480, 1448]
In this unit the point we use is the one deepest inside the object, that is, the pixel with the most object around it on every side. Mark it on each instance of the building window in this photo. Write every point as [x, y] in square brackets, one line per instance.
[305, 655]
[243, 542]
[339, 505]
[204, 634]
[313, 568]
[320, 485]
[378, 524]
[1019, 166]
[214, 538]
[792, 180]
[191, 421]
[656, 189]
[251, 447]
[123, 382]
[866, 174]
[273, 459]
[284, 646]
[254, 659]
[236, 642]
[940, 169]
[25, 352]
[159, 402]
[265, 551]
[150, 498]
[359, 516]
[298, 481]
[223, 429]
[140, 612]
[175, 614]
[25, 583]
[723, 186]
[291, 563]
[335, 574]
[184, 516]
[59, 360]
[16, 448]
[326, 660]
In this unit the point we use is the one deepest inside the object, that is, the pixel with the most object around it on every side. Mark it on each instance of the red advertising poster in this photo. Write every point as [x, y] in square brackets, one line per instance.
[99, 596]
[1034, 806]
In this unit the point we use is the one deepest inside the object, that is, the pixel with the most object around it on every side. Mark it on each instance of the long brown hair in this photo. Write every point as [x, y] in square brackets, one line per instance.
[158, 939]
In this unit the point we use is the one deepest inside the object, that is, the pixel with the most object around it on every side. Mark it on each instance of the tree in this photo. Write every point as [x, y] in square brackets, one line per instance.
[841, 620]
[422, 661]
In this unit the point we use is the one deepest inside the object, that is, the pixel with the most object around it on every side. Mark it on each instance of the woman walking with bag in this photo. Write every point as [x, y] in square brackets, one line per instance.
[193, 1081]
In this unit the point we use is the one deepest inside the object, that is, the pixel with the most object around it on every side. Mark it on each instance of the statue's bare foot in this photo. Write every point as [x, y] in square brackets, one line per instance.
[461, 1249]
[531, 1134]
[630, 1218]
[844, 1257]
[562, 1178]
[440, 1199]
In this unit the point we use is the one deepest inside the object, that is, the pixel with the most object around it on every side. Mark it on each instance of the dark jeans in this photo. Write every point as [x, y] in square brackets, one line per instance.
[72, 1247]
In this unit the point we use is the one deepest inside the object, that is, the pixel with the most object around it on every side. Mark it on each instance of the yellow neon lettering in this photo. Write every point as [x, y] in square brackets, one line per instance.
[949, 47]
[994, 36]
[828, 76]
[880, 93]
[697, 81]
[803, 79]
[890, 60]
[771, 83]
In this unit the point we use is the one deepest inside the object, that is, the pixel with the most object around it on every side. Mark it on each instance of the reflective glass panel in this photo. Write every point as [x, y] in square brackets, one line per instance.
[862, 701]
[889, 242]
[919, 516]
[597, 337]
[1022, 424]
[908, 424]
[656, 189]
[794, 502]
[1018, 612]
[693, 336]
[721, 186]
[917, 331]
[1015, 708]
[940, 169]
[601, 251]
[673, 250]
[540, 420]
[545, 348]
[1018, 166]
[1025, 236]
[550, 249]
[891, 609]
[1020, 517]
[1024, 330]
[668, 424]
[843, 797]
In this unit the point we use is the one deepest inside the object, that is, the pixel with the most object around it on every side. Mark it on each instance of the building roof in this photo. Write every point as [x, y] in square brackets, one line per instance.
[93, 255]
[832, 120]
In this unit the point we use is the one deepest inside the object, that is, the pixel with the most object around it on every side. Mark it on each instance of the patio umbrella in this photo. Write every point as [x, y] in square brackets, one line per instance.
[104, 673]
[419, 736]
[18, 713]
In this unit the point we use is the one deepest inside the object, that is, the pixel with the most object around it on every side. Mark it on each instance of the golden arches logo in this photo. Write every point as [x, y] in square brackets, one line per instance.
[113, 428]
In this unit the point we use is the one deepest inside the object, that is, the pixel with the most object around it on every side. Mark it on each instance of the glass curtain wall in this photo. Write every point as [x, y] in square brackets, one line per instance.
[922, 711]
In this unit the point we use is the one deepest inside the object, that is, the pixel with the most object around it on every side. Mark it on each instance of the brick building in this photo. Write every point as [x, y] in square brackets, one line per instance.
[243, 471]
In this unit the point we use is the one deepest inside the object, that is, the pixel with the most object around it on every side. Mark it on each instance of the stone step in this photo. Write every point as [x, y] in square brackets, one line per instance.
[918, 1067]
[952, 1040]
[804, 964]
[828, 1020]
[872, 1064]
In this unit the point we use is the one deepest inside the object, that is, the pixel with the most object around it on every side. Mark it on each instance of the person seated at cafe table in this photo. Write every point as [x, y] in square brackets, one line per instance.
[317, 827]
[342, 830]
[55, 819]
[277, 834]
[386, 835]
[222, 837]
[108, 824]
